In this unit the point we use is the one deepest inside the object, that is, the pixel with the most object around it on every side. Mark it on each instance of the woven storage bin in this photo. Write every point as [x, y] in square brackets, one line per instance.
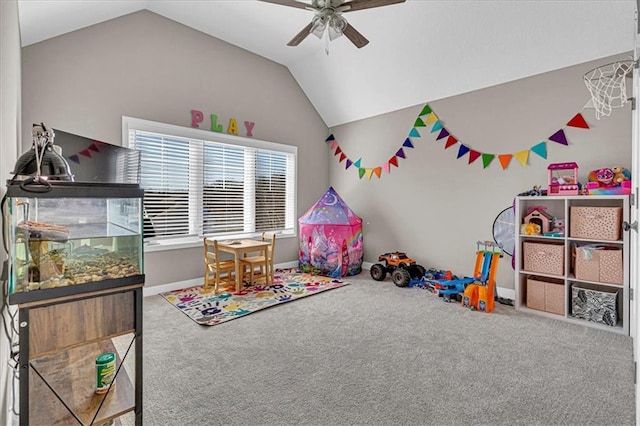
[602, 265]
[543, 258]
[595, 305]
[545, 294]
[598, 223]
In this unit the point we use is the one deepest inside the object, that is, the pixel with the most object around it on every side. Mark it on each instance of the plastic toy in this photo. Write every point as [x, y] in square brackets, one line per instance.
[563, 179]
[477, 292]
[609, 181]
[401, 267]
[539, 216]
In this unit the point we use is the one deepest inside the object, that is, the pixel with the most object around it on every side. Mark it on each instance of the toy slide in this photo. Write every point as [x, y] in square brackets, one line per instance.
[477, 292]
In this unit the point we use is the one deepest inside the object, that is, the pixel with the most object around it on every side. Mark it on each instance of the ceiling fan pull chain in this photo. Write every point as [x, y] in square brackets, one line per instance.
[326, 45]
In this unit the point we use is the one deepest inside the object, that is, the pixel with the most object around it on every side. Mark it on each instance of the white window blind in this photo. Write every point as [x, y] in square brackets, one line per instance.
[222, 185]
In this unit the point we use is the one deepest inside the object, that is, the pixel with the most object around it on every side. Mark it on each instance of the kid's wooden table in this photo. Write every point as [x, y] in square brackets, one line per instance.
[239, 248]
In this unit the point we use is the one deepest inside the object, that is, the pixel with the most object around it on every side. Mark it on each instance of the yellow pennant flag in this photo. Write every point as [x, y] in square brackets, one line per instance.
[522, 156]
[431, 118]
[368, 172]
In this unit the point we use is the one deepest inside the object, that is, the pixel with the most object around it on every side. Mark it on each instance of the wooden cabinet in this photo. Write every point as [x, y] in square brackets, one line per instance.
[59, 342]
[582, 274]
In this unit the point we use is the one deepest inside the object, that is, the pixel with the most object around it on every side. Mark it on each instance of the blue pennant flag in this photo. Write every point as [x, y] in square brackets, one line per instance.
[407, 143]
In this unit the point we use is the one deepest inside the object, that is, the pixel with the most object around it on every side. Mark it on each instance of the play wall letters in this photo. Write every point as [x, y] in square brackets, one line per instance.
[232, 128]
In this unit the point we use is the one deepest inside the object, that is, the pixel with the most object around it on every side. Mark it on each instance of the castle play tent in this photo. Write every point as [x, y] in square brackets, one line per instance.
[331, 238]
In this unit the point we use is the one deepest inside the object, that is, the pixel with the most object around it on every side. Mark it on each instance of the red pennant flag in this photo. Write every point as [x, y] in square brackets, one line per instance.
[342, 157]
[578, 121]
[338, 151]
[473, 156]
[94, 147]
[450, 142]
[393, 160]
[85, 152]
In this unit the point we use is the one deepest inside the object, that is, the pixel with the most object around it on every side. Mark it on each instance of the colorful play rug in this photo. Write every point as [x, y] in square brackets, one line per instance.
[207, 308]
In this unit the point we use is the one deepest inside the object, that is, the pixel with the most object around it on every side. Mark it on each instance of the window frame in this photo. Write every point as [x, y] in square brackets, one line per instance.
[173, 242]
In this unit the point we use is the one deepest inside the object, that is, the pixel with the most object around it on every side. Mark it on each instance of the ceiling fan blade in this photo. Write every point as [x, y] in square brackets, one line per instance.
[290, 3]
[350, 6]
[301, 35]
[356, 38]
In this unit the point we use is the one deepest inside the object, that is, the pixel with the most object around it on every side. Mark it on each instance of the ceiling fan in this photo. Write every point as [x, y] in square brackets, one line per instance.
[328, 16]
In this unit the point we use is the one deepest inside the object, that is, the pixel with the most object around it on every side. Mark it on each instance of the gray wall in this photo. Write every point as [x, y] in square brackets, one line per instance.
[143, 65]
[434, 206]
[9, 143]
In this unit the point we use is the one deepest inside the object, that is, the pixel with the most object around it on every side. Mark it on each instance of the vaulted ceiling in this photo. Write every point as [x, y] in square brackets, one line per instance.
[419, 51]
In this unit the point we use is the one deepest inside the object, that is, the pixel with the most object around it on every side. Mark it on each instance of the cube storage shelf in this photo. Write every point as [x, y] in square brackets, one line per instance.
[583, 276]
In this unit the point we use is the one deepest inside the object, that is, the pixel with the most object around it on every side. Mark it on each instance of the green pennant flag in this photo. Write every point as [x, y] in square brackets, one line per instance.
[361, 172]
[487, 159]
[419, 123]
[426, 110]
[540, 149]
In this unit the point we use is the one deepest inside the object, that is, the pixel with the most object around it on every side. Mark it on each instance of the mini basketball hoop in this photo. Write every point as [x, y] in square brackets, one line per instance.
[608, 87]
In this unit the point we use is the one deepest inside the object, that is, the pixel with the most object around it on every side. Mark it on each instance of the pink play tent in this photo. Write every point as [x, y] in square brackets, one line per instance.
[331, 238]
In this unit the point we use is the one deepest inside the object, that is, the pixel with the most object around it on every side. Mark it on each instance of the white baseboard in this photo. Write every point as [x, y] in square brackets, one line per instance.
[507, 293]
[157, 289]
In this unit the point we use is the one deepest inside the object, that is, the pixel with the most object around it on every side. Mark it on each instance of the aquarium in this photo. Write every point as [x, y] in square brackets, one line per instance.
[72, 237]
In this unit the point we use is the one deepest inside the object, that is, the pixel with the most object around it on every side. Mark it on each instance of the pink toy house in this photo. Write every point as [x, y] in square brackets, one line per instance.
[540, 218]
[563, 179]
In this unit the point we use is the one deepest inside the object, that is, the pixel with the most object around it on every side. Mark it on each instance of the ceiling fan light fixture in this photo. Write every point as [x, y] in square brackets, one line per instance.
[319, 25]
[336, 26]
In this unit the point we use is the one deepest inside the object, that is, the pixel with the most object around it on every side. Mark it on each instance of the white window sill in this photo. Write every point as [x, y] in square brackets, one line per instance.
[192, 242]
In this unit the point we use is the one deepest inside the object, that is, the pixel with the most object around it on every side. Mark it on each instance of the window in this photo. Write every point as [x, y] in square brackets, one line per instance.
[198, 182]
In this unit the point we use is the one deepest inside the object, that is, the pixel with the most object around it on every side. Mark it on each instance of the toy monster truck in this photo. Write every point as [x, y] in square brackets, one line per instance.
[401, 268]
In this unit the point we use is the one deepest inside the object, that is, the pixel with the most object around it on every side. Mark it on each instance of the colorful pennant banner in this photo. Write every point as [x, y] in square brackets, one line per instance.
[426, 118]
[94, 146]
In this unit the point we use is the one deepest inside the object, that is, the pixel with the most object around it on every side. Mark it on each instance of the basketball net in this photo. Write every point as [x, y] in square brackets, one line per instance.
[608, 87]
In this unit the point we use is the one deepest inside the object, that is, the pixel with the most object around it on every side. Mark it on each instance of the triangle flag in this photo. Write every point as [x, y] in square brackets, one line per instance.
[450, 141]
[462, 151]
[419, 123]
[348, 164]
[540, 149]
[426, 110]
[522, 156]
[74, 158]
[338, 151]
[414, 133]
[578, 121]
[407, 143]
[394, 161]
[431, 118]
[487, 159]
[342, 157]
[334, 144]
[361, 172]
[504, 160]
[400, 153]
[85, 152]
[436, 126]
[473, 156]
[357, 163]
[377, 171]
[369, 172]
[559, 137]
[443, 134]
[94, 147]
[386, 167]
[330, 138]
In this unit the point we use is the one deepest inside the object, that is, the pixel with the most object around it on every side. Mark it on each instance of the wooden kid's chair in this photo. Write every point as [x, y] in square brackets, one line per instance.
[216, 270]
[262, 263]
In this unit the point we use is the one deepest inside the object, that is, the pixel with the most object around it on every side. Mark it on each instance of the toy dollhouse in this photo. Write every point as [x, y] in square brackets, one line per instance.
[563, 179]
